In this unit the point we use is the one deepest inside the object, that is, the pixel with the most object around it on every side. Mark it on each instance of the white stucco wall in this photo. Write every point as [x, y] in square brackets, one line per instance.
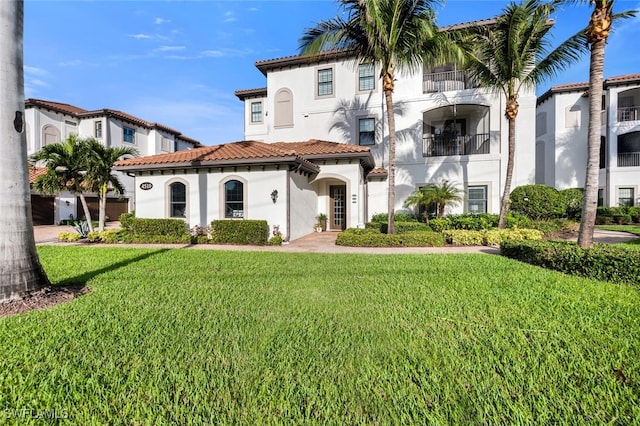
[303, 206]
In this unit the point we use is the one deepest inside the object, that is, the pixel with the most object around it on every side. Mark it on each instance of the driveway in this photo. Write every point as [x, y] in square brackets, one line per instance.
[320, 242]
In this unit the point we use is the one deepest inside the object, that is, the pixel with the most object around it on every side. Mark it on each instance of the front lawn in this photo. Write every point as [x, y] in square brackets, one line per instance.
[207, 337]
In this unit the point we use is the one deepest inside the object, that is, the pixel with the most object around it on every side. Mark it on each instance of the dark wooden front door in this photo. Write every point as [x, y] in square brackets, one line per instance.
[42, 209]
[338, 207]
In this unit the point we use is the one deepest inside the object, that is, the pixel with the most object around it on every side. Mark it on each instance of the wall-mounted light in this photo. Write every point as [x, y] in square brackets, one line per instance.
[274, 195]
[67, 203]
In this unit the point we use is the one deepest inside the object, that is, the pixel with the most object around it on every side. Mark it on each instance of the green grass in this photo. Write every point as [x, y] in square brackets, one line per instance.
[211, 337]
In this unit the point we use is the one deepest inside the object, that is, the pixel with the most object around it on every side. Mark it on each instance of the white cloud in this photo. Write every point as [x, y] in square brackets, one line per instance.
[35, 71]
[229, 17]
[160, 21]
[40, 83]
[140, 36]
[212, 54]
[169, 48]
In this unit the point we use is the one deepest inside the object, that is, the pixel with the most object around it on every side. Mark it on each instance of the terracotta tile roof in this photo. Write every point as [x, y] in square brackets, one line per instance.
[243, 94]
[250, 152]
[577, 87]
[314, 147]
[105, 112]
[378, 172]
[35, 172]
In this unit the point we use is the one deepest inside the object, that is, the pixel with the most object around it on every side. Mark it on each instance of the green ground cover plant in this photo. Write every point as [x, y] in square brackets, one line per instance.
[212, 337]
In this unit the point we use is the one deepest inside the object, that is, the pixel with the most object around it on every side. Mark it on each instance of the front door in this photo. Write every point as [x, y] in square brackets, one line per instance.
[338, 207]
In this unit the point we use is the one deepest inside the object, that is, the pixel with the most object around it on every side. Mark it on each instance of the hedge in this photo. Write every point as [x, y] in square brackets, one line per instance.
[617, 215]
[145, 227]
[601, 261]
[489, 237]
[370, 238]
[246, 232]
[401, 227]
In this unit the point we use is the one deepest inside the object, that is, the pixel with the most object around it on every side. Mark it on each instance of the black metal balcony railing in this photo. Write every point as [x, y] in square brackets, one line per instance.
[629, 159]
[446, 81]
[629, 113]
[440, 145]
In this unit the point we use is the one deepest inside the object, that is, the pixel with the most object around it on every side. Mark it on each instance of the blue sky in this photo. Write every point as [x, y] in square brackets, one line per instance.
[179, 62]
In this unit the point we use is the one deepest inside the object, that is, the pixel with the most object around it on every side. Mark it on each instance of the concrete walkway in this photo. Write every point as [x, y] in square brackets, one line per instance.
[322, 242]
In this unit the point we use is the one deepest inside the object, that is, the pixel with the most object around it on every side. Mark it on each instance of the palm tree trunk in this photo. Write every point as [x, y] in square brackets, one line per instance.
[504, 204]
[388, 95]
[87, 213]
[20, 269]
[590, 201]
[103, 208]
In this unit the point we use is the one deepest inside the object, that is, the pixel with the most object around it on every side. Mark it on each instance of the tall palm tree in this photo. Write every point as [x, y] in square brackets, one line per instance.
[99, 178]
[511, 55]
[393, 34]
[66, 164]
[597, 34]
[20, 269]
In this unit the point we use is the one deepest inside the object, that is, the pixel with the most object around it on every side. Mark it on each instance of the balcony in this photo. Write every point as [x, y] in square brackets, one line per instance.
[629, 113]
[446, 81]
[442, 145]
[629, 159]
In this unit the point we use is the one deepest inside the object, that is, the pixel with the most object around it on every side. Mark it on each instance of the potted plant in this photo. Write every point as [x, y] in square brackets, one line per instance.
[321, 225]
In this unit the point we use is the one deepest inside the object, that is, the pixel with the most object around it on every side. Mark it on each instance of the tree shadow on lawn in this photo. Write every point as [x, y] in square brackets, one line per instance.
[64, 291]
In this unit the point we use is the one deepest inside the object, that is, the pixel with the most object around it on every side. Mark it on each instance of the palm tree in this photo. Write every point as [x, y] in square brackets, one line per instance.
[392, 34]
[66, 164]
[597, 34]
[443, 194]
[20, 269]
[419, 199]
[512, 54]
[99, 178]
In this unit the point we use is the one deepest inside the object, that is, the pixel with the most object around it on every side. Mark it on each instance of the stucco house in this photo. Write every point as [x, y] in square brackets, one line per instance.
[51, 122]
[562, 118]
[287, 184]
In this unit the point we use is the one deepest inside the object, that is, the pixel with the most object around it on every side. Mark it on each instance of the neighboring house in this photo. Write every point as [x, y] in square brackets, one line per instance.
[447, 128]
[286, 184]
[51, 122]
[562, 121]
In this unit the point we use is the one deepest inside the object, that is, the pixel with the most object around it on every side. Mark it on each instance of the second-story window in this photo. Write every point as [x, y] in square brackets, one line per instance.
[129, 134]
[366, 131]
[98, 129]
[325, 82]
[256, 112]
[366, 78]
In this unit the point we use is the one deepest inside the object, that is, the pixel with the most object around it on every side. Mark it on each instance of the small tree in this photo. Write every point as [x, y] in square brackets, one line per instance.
[441, 194]
[66, 164]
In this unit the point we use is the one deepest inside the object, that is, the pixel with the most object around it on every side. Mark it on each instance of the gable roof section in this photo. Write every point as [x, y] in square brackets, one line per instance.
[80, 113]
[620, 80]
[243, 94]
[35, 172]
[251, 153]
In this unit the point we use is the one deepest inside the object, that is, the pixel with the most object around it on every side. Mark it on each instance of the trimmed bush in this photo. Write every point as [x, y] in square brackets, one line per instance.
[401, 227]
[246, 232]
[617, 215]
[69, 237]
[146, 227]
[573, 198]
[601, 261]
[398, 217]
[370, 238]
[125, 220]
[275, 241]
[489, 237]
[556, 228]
[538, 202]
[439, 225]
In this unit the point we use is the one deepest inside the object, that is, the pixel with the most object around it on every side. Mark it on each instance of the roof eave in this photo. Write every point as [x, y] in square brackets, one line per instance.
[295, 160]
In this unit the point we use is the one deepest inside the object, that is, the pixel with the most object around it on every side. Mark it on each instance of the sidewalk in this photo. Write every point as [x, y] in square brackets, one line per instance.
[319, 242]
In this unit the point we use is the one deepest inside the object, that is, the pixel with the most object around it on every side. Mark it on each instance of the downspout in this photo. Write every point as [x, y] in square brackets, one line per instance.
[288, 190]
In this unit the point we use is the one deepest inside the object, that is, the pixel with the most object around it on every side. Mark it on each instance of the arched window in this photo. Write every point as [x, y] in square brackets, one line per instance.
[50, 135]
[178, 200]
[283, 108]
[234, 199]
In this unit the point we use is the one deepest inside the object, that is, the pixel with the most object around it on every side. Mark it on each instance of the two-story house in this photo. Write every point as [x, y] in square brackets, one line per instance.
[561, 139]
[51, 122]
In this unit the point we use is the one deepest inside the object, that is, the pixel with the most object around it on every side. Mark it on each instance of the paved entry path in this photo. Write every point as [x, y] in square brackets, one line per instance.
[318, 242]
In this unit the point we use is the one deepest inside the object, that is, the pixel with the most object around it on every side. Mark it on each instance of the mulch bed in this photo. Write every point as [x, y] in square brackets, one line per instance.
[44, 298]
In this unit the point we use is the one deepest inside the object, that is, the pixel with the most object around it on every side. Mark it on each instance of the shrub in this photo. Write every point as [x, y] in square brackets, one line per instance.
[377, 226]
[489, 237]
[94, 237]
[556, 228]
[69, 237]
[125, 220]
[398, 217]
[517, 220]
[275, 241]
[371, 238]
[601, 261]
[176, 228]
[538, 202]
[401, 227]
[573, 198]
[439, 225]
[112, 236]
[254, 232]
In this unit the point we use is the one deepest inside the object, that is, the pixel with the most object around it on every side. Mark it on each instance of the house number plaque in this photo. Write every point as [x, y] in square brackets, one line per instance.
[145, 186]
